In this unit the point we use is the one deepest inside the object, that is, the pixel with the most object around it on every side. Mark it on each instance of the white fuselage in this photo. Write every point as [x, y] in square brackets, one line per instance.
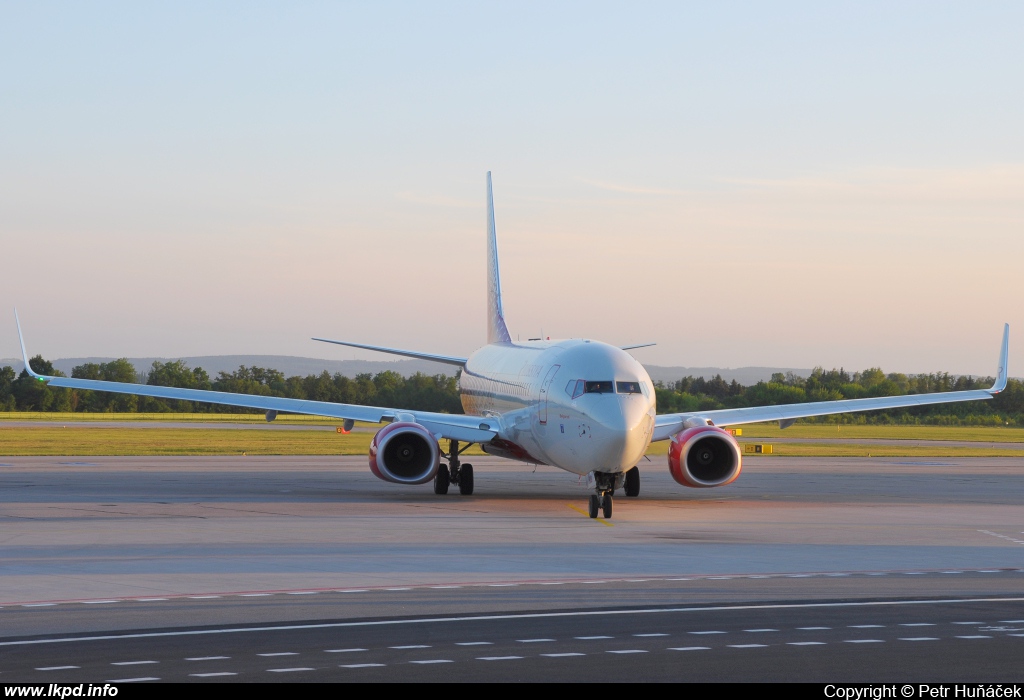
[538, 390]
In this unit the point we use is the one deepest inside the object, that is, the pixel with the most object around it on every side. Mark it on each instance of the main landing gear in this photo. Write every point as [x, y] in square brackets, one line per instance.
[605, 485]
[454, 472]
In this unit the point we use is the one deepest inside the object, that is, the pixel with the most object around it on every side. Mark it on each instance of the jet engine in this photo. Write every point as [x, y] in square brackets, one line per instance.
[704, 456]
[405, 453]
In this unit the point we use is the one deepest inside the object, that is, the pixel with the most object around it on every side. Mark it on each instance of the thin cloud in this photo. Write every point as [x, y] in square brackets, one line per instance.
[437, 200]
[629, 189]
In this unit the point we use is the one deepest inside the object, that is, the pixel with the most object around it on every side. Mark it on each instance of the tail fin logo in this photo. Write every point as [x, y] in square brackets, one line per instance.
[497, 331]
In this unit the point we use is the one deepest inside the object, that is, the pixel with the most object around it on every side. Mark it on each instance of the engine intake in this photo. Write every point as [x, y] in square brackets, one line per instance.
[405, 453]
[703, 457]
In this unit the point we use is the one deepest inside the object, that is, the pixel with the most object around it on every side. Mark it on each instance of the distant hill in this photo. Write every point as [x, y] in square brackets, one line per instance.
[303, 366]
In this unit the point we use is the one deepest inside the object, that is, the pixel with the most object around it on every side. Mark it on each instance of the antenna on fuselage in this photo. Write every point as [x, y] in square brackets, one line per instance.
[497, 331]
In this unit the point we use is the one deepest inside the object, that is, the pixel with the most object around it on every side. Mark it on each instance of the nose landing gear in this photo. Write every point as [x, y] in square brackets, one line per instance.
[601, 501]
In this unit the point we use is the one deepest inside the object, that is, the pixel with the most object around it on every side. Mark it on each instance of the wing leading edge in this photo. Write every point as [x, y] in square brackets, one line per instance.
[668, 425]
[442, 425]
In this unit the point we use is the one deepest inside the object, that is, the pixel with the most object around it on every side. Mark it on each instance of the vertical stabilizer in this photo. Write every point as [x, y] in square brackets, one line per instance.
[497, 331]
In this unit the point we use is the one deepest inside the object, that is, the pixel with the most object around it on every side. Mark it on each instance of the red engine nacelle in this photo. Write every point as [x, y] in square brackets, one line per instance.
[405, 453]
[704, 456]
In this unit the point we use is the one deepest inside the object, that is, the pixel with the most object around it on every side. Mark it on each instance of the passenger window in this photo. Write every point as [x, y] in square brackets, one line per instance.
[599, 387]
[627, 387]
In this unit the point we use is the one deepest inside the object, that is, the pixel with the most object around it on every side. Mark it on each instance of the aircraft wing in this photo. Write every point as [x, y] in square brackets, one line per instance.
[667, 425]
[442, 425]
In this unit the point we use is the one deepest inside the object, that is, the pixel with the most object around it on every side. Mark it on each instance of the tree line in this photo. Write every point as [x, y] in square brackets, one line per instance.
[22, 393]
[439, 393]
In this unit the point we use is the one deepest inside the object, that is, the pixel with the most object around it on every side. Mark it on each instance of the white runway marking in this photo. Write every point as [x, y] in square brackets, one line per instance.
[652, 634]
[99, 602]
[917, 624]
[412, 646]
[511, 616]
[497, 658]
[288, 670]
[761, 630]
[863, 641]
[280, 653]
[746, 646]
[688, 648]
[253, 595]
[207, 658]
[864, 627]
[341, 651]
[710, 632]
[131, 680]
[974, 636]
[472, 644]
[132, 663]
[56, 668]
[804, 644]
[571, 653]
[596, 637]
[148, 600]
[213, 675]
[967, 623]
[432, 661]
[814, 628]
[37, 605]
[627, 651]
[532, 641]
[360, 665]
[919, 639]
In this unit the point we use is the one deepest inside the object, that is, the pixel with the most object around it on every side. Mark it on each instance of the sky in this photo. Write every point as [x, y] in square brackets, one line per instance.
[775, 184]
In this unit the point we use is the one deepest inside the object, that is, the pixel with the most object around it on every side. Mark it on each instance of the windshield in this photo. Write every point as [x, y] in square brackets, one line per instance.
[628, 387]
[605, 387]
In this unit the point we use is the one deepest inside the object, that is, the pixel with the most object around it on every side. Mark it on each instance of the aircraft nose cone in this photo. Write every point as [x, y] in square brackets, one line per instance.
[625, 432]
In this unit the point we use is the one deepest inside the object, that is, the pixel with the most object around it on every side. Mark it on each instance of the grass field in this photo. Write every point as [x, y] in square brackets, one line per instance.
[113, 441]
[168, 417]
[98, 440]
[884, 432]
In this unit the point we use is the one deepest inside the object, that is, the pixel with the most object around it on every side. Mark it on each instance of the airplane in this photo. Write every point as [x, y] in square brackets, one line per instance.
[580, 405]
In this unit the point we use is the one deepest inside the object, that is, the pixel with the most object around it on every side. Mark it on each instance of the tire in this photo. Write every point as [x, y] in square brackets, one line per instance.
[607, 506]
[595, 505]
[441, 480]
[632, 484]
[466, 480]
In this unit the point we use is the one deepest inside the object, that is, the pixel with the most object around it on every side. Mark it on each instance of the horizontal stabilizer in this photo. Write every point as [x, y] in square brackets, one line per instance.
[446, 359]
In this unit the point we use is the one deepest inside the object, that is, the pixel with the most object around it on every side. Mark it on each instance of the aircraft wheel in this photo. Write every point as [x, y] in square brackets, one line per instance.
[606, 506]
[632, 485]
[466, 480]
[595, 505]
[441, 480]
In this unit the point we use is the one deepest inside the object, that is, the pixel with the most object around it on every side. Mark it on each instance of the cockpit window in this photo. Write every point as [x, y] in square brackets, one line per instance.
[600, 387]
[628, 387]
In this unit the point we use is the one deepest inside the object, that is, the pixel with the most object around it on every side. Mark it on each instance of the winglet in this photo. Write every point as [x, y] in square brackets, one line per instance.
[1001, 374]
[24, 355]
